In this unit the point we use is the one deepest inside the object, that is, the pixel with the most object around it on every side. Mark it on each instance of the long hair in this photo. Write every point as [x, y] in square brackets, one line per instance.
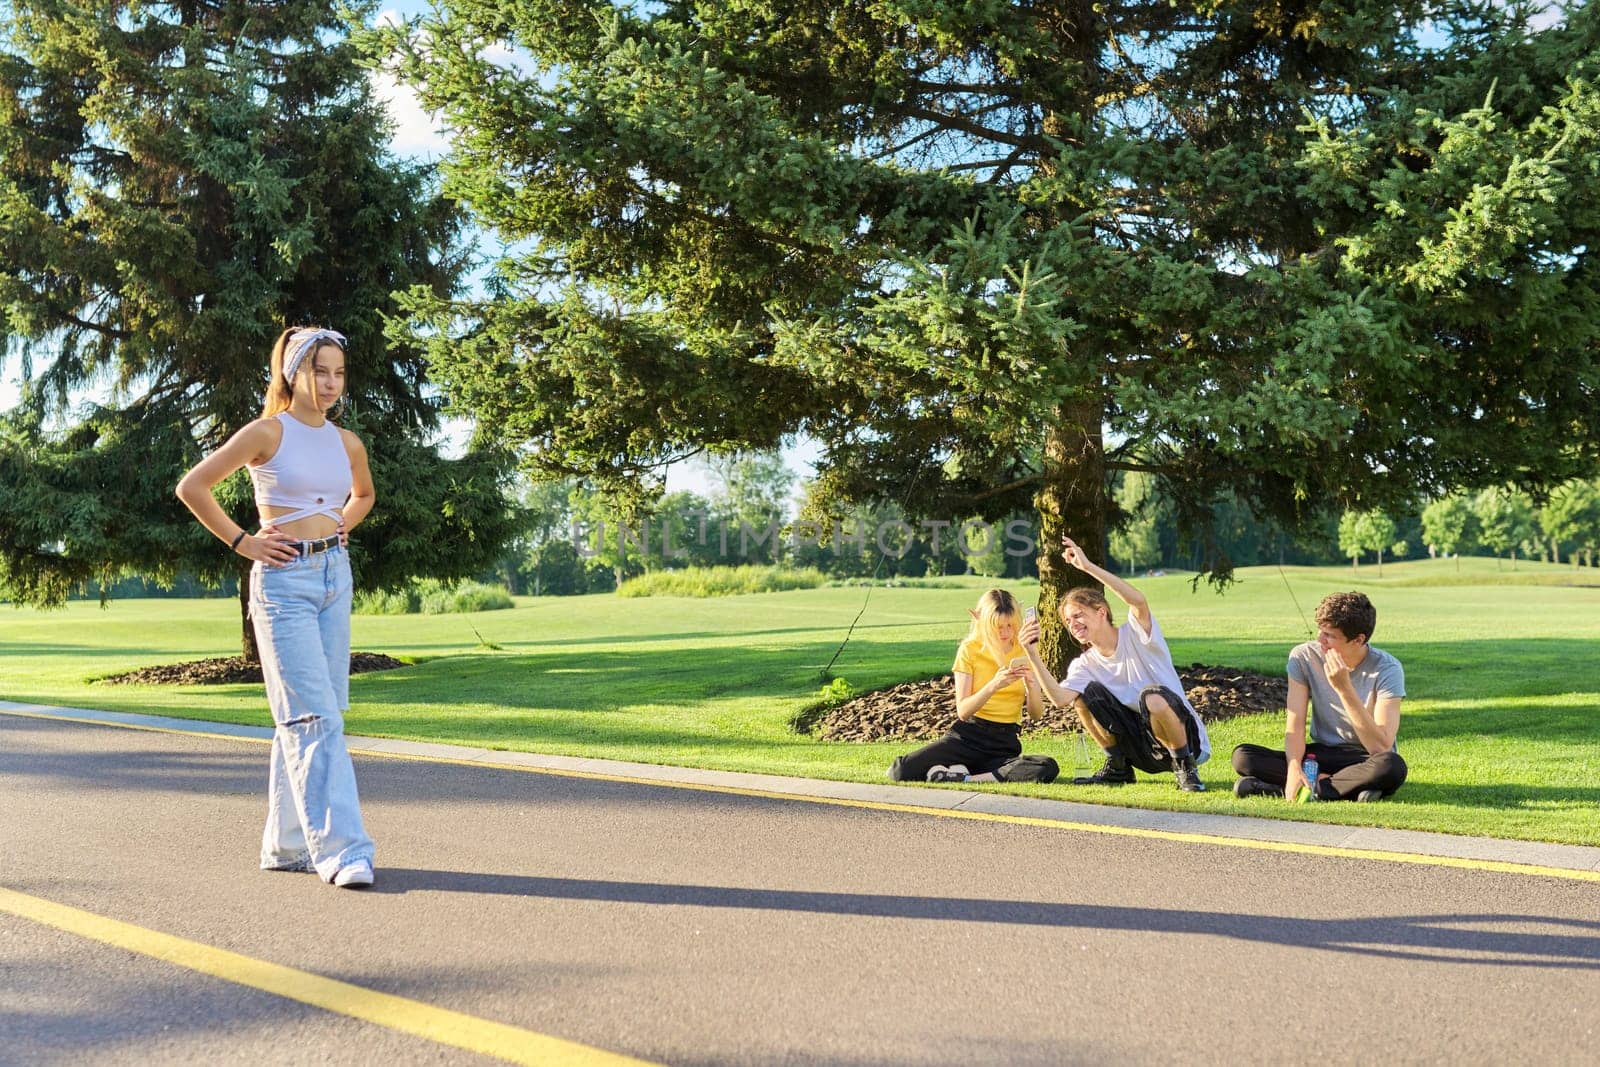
[991, 606]
[280, 394]
[1085, 596]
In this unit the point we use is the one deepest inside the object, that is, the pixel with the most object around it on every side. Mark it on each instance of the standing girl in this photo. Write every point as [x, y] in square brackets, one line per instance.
[993, 685]
[312, 487]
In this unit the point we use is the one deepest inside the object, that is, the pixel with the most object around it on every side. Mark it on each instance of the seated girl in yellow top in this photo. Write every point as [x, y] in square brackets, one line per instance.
[984, 743]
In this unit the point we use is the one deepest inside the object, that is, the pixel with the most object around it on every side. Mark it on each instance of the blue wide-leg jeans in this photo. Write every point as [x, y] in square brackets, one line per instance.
[301, 612]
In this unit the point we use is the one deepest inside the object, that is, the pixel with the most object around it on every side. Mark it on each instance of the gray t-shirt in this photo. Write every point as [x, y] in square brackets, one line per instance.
[1330, 724]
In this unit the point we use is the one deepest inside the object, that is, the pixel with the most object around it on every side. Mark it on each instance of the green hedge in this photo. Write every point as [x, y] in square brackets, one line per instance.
[393, 602]
[722, 581]
[956, 581]
[432, 597]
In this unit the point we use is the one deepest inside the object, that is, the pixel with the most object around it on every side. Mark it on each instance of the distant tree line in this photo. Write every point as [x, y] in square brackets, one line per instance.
[1501, 521]
[574, 539]
[571, 539]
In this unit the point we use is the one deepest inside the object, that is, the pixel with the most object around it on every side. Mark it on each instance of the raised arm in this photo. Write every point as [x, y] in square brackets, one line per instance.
[1138, 606]
[1060, 695]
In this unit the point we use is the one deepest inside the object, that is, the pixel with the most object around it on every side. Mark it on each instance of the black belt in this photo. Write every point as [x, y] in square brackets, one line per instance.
[311, 548]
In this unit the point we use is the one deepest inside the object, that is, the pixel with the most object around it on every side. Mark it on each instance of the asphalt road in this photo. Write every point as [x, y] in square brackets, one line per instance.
[689, 927]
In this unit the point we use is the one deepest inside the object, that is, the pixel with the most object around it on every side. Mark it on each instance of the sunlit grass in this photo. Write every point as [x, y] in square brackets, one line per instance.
[1501, 726]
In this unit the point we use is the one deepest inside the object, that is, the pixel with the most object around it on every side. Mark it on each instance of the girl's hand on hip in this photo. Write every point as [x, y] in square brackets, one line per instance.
[270, 546]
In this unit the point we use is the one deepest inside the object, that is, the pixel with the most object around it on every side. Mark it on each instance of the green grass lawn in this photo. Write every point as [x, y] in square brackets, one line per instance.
[1501, 728]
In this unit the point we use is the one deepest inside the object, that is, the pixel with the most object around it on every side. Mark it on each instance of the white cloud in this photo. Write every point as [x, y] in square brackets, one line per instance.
[509, 58]
[1552, 15]
[418, 133]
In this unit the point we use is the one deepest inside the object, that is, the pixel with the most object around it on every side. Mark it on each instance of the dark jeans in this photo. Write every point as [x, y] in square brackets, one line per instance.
[981, 746]
[1351, 768]
[1136, 741]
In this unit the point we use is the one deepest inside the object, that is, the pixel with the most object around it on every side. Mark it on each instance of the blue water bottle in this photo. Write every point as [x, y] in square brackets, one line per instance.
[1310, 766]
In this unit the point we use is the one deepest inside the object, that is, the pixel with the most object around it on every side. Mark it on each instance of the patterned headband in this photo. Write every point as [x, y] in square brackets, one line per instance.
[303, 341]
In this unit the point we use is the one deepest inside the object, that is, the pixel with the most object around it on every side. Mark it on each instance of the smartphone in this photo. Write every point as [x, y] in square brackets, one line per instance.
[1029, 614]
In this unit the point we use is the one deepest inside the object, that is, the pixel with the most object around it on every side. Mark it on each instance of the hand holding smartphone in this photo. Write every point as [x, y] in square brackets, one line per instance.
[1030, 615]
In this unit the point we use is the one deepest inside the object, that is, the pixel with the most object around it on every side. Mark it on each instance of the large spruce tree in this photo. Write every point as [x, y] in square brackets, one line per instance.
[178, 182]
[1316, 253]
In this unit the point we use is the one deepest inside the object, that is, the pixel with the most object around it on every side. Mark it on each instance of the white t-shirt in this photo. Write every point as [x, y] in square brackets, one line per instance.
[1141, 660]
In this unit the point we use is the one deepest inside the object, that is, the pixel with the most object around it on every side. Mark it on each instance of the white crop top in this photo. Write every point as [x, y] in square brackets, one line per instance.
[310, 471]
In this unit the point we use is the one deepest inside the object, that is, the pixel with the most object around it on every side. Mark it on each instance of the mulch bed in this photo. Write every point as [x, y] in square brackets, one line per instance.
[232, 670]
[913, 711]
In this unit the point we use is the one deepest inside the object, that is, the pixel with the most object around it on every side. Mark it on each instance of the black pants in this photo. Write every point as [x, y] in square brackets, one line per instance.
[982, 747]
[1352, 769]
[1136, 741]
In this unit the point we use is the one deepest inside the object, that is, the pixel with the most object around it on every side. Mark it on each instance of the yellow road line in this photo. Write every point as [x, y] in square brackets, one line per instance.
[1182, 836]
[134, 726]
[1186, 837]
[441, 1025]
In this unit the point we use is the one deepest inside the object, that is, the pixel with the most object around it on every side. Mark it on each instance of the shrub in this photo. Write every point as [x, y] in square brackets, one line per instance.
[386, 602]
[432, 597]
[941, 582]
[722, 581]
[437, 602]
[477, 596]
[836, 692]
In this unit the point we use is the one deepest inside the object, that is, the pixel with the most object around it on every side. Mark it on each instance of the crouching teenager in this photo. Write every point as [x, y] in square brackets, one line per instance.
[993, 683]
[1123, 686]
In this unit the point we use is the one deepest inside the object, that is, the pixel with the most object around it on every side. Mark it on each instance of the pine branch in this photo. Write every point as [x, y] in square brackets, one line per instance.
[961, 124]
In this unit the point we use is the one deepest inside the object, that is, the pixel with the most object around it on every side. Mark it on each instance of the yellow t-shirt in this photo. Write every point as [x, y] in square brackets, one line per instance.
[974, 658]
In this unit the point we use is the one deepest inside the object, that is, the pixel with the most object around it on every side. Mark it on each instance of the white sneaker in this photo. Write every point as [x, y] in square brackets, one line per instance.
[956, 772]
[357, 875]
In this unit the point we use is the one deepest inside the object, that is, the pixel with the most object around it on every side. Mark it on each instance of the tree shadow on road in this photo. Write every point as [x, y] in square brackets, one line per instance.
[1543, 941]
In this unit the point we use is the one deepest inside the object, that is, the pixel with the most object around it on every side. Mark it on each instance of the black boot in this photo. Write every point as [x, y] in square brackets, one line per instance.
[1184, 770]
[1115, 771]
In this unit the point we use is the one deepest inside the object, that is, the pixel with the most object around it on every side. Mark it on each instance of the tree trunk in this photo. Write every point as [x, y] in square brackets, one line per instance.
[1071, 501]
[1380, 563]
[248, 647]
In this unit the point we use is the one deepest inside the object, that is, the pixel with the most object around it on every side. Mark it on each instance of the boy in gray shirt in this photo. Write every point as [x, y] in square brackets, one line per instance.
[1353, 692]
